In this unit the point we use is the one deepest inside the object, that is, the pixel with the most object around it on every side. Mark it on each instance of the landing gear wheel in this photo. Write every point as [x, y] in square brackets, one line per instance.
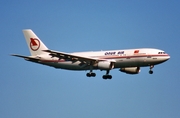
[104, 76]
[151, 67]
[110, 77]
[88, 74]
[91, 74]
[107, 76]
[150, 72]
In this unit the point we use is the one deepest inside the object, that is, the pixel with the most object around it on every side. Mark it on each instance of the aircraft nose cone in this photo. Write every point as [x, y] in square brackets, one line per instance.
[168, 57]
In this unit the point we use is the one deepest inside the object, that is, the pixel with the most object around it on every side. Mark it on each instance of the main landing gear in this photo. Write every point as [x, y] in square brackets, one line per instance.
[150, 71]
[107, 76]
[91, 74]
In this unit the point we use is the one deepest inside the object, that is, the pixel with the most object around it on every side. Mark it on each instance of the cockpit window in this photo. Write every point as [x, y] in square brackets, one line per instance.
[161, 53]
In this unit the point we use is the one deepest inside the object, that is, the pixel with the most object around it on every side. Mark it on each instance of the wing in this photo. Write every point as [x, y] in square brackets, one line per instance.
[72, 57]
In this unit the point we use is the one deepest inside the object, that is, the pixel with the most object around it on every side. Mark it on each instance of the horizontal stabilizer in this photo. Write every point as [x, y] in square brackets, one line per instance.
[26, 57]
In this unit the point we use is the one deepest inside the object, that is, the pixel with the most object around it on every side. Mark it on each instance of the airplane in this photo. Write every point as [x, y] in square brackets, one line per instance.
[128, 60]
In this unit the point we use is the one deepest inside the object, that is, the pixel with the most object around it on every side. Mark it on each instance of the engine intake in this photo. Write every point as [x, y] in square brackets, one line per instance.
[130, 70]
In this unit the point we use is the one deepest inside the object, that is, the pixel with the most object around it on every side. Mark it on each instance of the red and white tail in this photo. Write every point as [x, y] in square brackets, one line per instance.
[34, 43]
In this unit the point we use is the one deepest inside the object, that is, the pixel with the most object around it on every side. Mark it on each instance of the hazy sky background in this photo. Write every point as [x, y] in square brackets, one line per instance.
[29, 90]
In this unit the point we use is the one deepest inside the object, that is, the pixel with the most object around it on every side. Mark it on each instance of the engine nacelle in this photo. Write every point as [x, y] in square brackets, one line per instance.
[131, 70]
[105, 65]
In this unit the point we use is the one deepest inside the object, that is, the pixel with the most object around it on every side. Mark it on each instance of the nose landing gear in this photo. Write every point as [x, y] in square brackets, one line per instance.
[150, 71]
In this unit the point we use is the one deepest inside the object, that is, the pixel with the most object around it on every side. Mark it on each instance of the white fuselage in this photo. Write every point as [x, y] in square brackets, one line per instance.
[121, 58]
[128, 61]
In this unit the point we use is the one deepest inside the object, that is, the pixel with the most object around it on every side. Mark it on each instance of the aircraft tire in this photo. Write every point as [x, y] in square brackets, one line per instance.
[88, 75]
[110, 77]
[91, 74]
[150, 72]
[107, 77]
[104, 77]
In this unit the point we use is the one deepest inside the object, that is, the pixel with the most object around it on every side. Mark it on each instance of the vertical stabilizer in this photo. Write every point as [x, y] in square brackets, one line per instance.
[35, 45]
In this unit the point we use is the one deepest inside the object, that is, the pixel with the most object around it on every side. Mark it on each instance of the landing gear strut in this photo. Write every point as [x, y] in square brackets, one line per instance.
[107, 76]
[150, 71]
[91, 74]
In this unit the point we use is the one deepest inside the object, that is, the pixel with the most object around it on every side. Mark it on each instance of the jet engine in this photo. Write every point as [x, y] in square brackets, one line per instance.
[105, 65]
[130, 70]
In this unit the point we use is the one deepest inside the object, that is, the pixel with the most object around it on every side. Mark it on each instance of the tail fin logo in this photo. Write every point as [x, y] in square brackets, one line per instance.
[34, 44]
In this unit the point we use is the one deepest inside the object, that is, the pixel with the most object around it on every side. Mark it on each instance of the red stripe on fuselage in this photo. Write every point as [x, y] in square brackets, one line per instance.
[133, 56]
